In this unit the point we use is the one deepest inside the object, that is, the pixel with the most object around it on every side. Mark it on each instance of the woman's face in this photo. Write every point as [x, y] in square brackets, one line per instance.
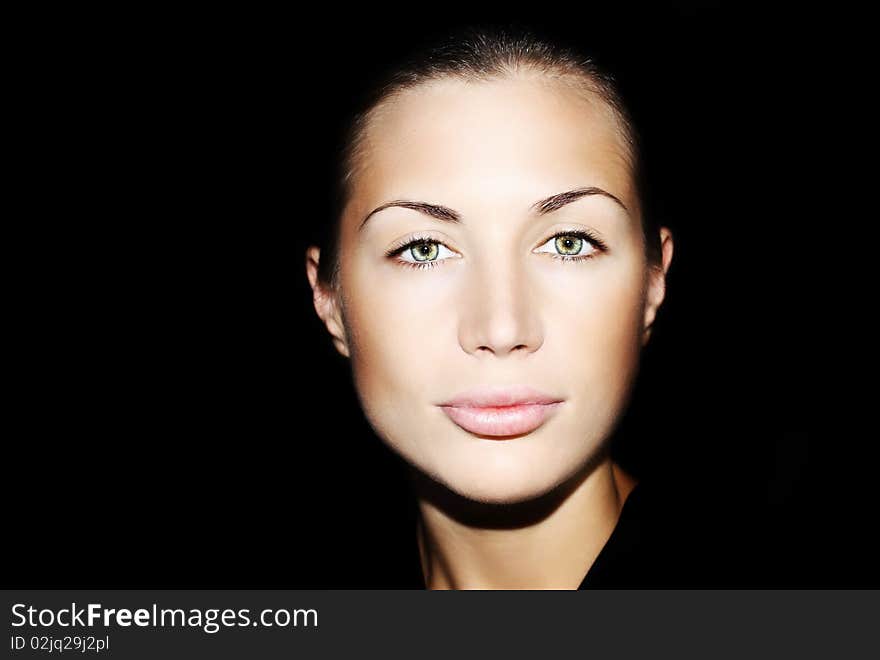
[496, 308]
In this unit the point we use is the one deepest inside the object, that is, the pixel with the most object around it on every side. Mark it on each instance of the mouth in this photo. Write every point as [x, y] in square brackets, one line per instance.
[501, 421]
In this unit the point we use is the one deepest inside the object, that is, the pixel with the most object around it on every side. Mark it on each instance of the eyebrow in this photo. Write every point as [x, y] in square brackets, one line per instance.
[541, 207]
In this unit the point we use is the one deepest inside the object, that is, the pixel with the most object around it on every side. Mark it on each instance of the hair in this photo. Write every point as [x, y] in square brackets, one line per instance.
[479, 54]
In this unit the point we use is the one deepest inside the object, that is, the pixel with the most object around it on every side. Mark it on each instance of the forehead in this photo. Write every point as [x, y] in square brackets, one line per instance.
[525, 133]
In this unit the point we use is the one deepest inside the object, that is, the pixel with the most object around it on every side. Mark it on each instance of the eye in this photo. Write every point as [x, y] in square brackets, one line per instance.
[420, 252]
[574, 245]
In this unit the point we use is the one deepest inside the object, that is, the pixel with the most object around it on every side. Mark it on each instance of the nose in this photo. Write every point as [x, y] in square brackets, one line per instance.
[500, 314]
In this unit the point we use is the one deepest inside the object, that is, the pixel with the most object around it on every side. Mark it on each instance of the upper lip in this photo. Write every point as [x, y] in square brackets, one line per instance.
[490, 396]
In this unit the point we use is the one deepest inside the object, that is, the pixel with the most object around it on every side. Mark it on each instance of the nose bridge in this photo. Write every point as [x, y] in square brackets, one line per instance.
[501, 315]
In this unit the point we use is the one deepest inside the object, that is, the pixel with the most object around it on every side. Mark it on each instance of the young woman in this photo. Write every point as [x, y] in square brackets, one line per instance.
[492, 277]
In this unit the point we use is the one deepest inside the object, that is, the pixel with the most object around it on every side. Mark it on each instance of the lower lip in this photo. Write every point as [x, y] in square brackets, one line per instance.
[504, 421]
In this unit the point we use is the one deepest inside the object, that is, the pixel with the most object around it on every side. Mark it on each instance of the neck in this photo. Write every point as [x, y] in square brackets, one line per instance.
[548, 543]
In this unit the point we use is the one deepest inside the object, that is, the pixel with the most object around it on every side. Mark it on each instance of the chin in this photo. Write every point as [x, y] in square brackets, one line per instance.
[502, 479]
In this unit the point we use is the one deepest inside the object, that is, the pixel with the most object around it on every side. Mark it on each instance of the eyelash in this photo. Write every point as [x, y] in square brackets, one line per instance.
[598, 244]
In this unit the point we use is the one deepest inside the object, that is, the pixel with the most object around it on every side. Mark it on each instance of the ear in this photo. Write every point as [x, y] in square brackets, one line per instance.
[326, 302]
[657, 284]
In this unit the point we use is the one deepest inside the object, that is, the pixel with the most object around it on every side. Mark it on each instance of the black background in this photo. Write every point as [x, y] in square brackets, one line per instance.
[180, 418]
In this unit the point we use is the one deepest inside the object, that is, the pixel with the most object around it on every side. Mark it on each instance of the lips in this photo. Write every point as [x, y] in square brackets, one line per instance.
[501, 411]
[510, 420]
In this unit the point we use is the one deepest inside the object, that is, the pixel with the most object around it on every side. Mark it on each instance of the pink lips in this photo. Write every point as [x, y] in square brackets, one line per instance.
[501, 411]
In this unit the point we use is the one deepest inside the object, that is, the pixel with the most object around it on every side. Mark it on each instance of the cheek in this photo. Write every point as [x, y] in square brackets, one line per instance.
[396, 325]
[600, 329]
[391, 316]
[602, 314]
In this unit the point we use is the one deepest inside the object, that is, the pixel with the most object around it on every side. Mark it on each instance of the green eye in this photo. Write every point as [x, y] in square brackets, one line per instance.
[568, 245]
[425, 251]
[421, 252]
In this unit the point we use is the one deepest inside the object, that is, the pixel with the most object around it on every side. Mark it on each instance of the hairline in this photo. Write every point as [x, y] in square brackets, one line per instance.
[587, 86]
